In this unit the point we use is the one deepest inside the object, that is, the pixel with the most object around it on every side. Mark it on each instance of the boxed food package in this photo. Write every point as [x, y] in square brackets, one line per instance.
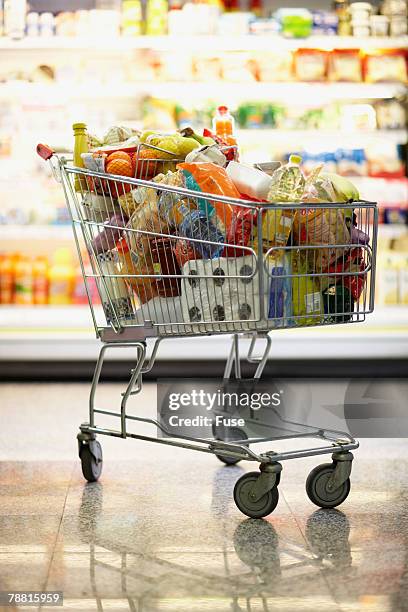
[306, 295]
[310, 64]
[389, 65]
[345, 65]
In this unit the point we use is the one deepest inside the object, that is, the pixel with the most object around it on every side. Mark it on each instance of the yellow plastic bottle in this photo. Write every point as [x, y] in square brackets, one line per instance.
[80, 146]
[61, 277]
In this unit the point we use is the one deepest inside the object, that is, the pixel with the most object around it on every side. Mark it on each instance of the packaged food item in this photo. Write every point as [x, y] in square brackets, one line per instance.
[389, 65]
[398, 25]
[280, 291]
[107, 238]
[288, 182]
[131, 201]
[403, 280]
[310, 64]
[224, 125]
[165, 263]
[136, 266]
[184, 251]
[213, 179]
[338, 304]
[14, 18]
[306, 295]
[379, 25]
[144, 222]
[228, 148]
[40, 280]
[156, 17]
[276, 228]
[7, 268]
[390, 115]
[324, 228]
[80, 147]
[131, 18]
[207, 153]
[275, 66]
[198, 226]
[115, 297]
[389, 266]
[61, 276]
[345, 65]
[295, 22]
[241, 232]
[249, 181]
[23, 281]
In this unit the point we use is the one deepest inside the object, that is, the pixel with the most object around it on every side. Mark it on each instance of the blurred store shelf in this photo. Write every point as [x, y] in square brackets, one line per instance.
[66, 333]
[196, 43]
[276, 91]
[257, 134]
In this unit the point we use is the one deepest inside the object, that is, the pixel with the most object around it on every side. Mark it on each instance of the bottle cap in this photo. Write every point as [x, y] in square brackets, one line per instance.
[295, 159]
[222, 109]
[79, 126]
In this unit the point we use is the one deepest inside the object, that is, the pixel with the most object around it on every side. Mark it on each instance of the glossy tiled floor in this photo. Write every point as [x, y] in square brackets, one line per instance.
[161, 532]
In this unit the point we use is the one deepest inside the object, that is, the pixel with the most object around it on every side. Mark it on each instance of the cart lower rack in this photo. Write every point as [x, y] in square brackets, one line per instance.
[165, 261]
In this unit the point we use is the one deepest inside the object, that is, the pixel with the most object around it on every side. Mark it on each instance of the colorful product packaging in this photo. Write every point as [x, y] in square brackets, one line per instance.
[306, 296]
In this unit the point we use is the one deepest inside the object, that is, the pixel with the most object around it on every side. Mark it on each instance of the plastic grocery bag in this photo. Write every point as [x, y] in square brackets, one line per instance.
[211, 178]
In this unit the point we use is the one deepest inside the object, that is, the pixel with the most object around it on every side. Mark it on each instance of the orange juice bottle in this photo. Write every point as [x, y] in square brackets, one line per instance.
[40, 280]
[61, 277]
[6, 279]
[23, 279]
[224, 125]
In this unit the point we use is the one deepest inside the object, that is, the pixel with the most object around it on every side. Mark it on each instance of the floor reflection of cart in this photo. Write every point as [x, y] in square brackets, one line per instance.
[252, 575]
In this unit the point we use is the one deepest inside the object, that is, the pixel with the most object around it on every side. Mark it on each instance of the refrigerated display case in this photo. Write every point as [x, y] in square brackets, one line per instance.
[356, 126]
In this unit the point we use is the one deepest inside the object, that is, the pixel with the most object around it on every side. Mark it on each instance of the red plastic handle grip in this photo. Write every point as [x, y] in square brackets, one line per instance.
[44, 151]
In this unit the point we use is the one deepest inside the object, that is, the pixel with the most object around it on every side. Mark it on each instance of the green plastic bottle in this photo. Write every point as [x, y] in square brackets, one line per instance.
[80, 146]
[288, 182]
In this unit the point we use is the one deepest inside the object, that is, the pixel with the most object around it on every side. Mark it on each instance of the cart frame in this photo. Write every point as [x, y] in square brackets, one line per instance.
[255, 493]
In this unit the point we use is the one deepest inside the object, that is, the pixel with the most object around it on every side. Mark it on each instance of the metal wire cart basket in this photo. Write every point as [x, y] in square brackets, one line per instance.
[165, 261]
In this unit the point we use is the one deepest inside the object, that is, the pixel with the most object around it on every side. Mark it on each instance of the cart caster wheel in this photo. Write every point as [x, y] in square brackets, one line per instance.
[232, 434]
[317, 491]
[91, 461]
[254, 509]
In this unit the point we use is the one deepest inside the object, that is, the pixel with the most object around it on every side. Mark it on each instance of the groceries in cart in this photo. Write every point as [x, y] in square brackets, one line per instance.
[181, 232]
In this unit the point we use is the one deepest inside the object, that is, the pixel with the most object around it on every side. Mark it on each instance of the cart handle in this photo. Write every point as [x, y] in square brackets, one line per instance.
[45, 151]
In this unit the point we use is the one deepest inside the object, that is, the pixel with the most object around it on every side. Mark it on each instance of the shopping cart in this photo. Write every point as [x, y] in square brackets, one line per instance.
[172, 262]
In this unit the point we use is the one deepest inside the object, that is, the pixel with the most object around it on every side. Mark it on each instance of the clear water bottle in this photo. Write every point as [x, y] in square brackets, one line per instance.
[288, 182]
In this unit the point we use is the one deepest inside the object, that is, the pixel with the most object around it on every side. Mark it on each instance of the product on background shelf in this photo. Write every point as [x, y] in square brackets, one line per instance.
[132, 18]
[295, 22]
[341, 9]
[156, 17]
[310, 64]
[40, 280]
[61, 277]
[345, 65]
[15, 18]
[23, 281]
[7, 272]
[385, 65]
